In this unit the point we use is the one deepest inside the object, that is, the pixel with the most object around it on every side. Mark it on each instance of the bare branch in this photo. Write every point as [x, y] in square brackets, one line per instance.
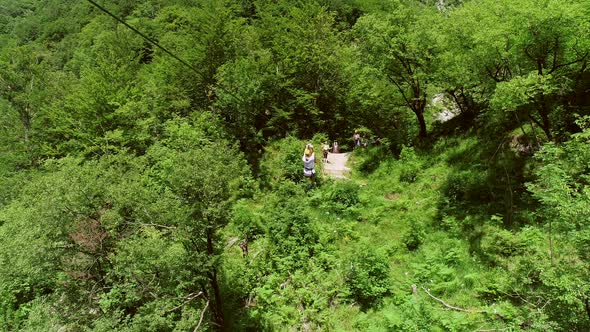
[151, 224]
[400, 90]
[188, 298]
[492, 75]
[544, 305]
[202, 315]
[453, 307]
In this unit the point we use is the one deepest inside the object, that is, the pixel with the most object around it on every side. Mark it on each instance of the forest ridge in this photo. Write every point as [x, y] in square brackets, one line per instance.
[151, 175]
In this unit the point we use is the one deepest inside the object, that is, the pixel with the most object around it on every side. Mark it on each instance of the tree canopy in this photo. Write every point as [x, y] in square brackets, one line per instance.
[151, 176]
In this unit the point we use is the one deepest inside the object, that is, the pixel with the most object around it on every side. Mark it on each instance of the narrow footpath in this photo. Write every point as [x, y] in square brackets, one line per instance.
[336, 166]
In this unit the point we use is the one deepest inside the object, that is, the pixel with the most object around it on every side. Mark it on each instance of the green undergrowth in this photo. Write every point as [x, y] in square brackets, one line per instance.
[395, 249]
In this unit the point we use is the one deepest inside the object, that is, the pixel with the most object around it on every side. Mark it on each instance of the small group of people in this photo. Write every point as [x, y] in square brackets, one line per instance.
[309, 160]
[360, 141]
[309, 155]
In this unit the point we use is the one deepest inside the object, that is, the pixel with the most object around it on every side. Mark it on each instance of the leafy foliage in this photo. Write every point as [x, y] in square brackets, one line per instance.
[143, 193]
[368, 277]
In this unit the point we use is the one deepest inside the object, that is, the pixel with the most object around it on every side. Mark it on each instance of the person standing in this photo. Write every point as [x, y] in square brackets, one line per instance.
[365, 141]
[325, 150]
[357, 139]
[309, 164]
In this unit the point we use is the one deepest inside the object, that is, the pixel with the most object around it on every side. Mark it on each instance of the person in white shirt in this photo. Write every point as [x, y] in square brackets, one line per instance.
[309, 164]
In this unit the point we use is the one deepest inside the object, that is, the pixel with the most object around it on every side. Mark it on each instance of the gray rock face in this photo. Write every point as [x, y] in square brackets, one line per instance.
[448, 107]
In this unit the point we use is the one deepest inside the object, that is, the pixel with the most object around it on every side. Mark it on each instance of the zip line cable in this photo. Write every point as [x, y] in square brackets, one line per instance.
[153, 42]
[144, 36]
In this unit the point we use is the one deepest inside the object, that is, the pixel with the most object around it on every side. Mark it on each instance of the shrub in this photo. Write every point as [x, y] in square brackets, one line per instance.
[582, 242]
[368, 277]
[282, 162]
[372, 158]
[291, 235]
[247, 220]
[344, 193]
[499, 243]
[410, 165]
[414, 236]
[467, 187]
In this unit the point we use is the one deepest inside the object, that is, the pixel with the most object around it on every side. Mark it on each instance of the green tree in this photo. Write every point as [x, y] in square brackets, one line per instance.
[124, 238]
[401, 46]
[561, 187]
[289, 79]
[371, 103]
[207, 175]
[204, 36]
[23, 74]
[489, 42]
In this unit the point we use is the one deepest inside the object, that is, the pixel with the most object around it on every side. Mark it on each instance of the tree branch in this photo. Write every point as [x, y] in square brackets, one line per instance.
[406, 63]
[448, 306]
[400, 90]
[493, 76]
[151, 224]
[555, 67]
[202, 315]
[188, 298]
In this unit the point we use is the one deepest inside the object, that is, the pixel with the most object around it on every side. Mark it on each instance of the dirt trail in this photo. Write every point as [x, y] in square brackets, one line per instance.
[336, 166]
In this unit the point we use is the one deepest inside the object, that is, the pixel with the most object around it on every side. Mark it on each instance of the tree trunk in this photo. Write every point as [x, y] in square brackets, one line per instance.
[217, 306]
[418, 108]
[418, 105]
[422, 134]
[459, 102]
[545, 124]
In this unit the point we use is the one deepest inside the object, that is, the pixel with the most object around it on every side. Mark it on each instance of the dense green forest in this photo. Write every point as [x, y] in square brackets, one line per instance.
[154, 183]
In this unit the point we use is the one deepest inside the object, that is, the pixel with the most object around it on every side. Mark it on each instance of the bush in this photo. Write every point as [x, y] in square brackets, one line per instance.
[582, 243]
[499, 243]
[291, 235]
[339, 197]
[368, 277]
[414, 236]
[247, 220]
[344, 193]
[282, 161]
[410, 165]
[468, 187]
[372, 158]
